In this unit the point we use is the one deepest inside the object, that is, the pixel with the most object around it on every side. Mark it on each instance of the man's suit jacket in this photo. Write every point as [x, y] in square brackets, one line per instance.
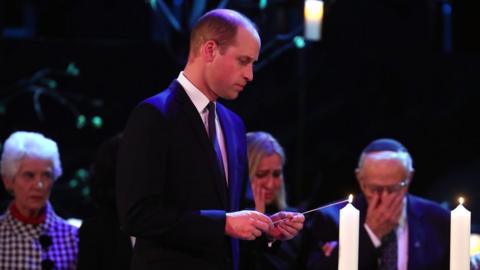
[428, 236]
[170, 192]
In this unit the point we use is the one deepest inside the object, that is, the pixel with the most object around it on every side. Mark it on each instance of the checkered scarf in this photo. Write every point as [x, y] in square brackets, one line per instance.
[20, 247]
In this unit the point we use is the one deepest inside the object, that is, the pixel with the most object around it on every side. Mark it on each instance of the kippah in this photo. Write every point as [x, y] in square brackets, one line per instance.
[384, 144]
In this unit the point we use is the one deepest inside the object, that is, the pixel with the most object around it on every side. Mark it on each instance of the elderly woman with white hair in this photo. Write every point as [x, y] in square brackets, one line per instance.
[32, 236]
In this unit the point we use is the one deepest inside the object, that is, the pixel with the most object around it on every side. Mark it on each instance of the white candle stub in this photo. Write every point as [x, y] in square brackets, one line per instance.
[460, 237]
[348, 245]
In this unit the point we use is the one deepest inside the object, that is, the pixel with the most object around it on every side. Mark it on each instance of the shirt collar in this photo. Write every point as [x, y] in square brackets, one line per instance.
[30, 230]
[199, 100]
[28, 220]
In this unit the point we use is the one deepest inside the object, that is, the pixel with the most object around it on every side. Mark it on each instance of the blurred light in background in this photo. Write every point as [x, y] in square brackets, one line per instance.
[262, 4]
[81, 121]
[474, 243]
[299, 42]
[97, 121]
[75, 222]
[313, 16]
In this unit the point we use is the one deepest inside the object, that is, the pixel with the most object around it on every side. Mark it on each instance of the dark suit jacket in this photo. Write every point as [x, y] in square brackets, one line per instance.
[428, 236]
[170, 192]
[102, 244]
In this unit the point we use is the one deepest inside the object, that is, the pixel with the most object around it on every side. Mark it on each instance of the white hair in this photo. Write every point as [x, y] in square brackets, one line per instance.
[23, 144]
[403, 156]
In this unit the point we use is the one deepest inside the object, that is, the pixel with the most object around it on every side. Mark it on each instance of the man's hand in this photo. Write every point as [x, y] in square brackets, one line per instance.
[383, 213]
[259, 197]
[246, 225]
[286, 225]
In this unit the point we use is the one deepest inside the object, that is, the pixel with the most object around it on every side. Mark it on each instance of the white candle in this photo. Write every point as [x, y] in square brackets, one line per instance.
[349, 224]
[313, 15]
[460, 238]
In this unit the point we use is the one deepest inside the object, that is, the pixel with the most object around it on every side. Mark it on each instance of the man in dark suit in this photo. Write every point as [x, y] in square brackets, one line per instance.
[398, 230]
[182, 163]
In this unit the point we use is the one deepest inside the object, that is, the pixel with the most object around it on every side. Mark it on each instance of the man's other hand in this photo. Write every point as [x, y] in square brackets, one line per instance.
[286, 225]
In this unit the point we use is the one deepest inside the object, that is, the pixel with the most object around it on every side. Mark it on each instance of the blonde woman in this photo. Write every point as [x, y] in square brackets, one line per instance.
[265, 164]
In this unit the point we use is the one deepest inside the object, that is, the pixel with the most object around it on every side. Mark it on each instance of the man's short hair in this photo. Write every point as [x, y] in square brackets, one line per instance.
[219, 25]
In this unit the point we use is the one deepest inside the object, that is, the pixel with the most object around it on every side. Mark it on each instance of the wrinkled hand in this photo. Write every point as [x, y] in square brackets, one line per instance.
[287, 225]
[259, 197]
[384, 212]
[246, 225]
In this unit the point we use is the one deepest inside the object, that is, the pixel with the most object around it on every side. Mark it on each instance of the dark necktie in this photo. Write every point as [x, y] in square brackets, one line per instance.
[212, 133]
[389, 252]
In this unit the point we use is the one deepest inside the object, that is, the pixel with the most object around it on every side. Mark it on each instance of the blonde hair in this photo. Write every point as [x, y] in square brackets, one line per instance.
[259, 145]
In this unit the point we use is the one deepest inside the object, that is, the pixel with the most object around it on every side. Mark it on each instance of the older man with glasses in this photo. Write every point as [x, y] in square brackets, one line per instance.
[399, 230]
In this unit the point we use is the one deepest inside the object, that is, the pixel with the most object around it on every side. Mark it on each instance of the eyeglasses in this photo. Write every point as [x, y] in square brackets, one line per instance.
[389, 188]
[46, 242]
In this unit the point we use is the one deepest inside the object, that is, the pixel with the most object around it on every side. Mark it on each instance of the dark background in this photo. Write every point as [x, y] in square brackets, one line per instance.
[384, 68]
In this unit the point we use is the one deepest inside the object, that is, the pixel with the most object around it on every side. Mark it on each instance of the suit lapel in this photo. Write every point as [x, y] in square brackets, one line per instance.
[200, 132]
[416, 239]
[234, 166]
[234, 183]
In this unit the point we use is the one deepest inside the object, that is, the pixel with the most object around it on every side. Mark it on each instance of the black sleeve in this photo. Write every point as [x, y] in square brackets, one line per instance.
[89, 251]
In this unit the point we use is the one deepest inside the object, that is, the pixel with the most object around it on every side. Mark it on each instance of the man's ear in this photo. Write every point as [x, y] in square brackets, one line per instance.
[209, 50]
[7, 183]
[357, 175]
[410, 175]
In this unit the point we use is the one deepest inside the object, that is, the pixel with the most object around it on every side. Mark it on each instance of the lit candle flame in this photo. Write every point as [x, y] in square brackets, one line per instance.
[461, 200]
[350, 198]
[313, 10]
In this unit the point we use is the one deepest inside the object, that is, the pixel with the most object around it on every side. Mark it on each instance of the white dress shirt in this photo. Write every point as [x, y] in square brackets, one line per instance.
[200, 101]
